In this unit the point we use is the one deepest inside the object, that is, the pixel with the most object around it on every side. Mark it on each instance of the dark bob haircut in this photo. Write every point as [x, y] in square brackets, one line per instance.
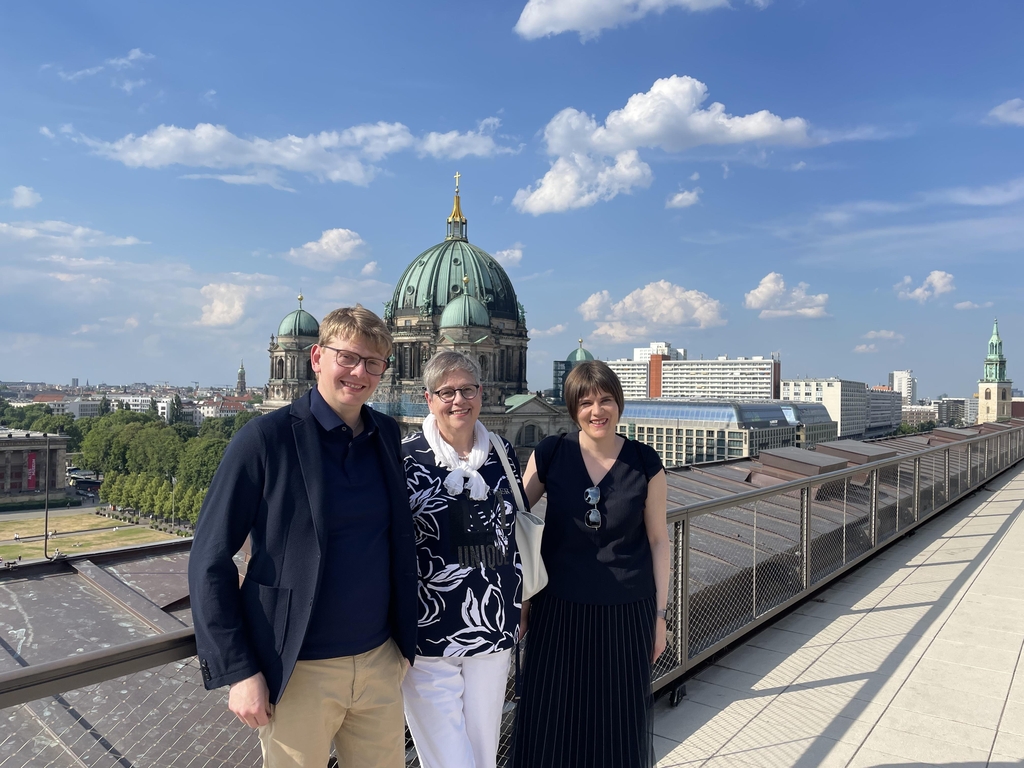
[589, 378]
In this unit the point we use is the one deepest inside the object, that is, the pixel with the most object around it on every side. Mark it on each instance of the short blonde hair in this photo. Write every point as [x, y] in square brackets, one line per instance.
[356, 322]
[589, 378]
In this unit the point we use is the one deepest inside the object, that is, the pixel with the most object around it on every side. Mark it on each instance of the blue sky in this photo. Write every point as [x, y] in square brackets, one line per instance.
[841, 182]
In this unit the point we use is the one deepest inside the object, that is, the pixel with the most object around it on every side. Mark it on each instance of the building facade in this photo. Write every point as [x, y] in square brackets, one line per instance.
[27, 471]
[741, 378]
[885, 407]
[904, 383]
[291, 372]
[919, 415]
[845, 400]
[995, 393]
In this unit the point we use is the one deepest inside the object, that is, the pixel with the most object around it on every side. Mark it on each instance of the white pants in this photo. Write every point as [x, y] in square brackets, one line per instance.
[453, 707]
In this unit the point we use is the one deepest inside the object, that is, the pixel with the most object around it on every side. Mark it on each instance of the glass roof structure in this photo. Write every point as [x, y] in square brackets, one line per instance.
[725, 413]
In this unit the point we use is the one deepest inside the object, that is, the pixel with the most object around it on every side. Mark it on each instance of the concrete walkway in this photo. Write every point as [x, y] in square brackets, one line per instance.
[913, 659]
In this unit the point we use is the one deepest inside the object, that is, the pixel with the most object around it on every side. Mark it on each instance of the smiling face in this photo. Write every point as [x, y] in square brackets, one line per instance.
[597, 414]
[346, 390]
[456, 419]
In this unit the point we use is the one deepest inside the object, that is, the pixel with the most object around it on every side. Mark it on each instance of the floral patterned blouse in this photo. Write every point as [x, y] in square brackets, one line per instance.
[470, 577]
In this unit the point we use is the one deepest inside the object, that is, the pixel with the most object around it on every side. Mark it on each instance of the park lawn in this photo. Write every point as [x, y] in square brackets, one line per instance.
[90, 542]
[34, 527]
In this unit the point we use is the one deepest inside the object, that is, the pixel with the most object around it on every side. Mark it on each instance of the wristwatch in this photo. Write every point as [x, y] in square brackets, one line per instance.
[660, 613]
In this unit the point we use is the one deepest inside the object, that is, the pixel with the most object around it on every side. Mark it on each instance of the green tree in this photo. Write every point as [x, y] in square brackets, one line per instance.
[22, 418]
[148, 496]
[186, 430]
[65, 424]
[153, 409]
[199, 461]
[96, 446]
[110, 490]
[217, 427]
[162, 502]
[104, 406]
[197, 505]
[155, 448]
[242, 419]
[184, 504]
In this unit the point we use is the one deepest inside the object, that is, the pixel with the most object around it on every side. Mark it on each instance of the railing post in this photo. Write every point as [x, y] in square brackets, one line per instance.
[945, 459]
[970, 467]
[917, 489]
[753, 588]
[683, 592]
[873, 508]
[987, 443]
[805, 536]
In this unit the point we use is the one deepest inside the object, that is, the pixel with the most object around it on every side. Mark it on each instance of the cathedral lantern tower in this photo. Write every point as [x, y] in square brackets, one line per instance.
[456, 296]
[240, 384]
[994, 389]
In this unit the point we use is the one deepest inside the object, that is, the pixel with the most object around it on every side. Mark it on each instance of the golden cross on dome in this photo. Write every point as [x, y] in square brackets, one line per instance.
[457, 177]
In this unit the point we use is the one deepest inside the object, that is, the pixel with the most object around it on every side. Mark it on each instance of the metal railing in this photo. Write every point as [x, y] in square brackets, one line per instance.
[737, 562]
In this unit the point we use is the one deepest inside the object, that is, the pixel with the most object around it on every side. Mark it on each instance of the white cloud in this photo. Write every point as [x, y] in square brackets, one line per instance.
[497, 199]
[329, 155]
[992, 195]
[46, 132]
[599, 161]
[1010, 112]
[684, 199]
[454, 145]
[67, 128]
[554, 330]
[655, 307]
[774, 300]
[510, 257]
[865, 348]
[369, 268]
[334, 246]
[541, 18]
[725, 171]
[887, 335]
[971, 305]
[345, 290]
[130, 85]
[70, 77]
[694, 176]
[798, 166]
[936, 284]
[25, 197]
[209, 96]
[134, 56]
[61, 234]
[226, 303]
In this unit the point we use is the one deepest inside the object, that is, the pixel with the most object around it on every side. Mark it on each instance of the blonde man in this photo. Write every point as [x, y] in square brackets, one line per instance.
[312, 643]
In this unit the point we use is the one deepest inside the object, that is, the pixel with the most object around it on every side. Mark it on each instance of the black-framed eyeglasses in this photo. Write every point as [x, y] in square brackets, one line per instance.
[346, 359]
[593, 495]
[447, 394]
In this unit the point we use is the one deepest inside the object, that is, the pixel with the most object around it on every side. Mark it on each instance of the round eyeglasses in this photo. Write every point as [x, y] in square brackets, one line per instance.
[593, 518]
[345, 359]
[447, 394]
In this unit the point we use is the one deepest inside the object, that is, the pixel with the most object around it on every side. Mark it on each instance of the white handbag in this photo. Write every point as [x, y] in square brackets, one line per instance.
[529, 531]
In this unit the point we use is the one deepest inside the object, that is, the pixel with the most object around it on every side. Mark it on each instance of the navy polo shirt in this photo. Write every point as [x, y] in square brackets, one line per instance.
[350, 615]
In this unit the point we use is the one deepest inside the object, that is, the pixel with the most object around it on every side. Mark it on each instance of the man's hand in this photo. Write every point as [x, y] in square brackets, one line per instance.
[660, 638]
[249, 699]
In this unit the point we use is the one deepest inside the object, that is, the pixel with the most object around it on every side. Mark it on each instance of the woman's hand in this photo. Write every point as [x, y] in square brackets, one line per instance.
[660, 641]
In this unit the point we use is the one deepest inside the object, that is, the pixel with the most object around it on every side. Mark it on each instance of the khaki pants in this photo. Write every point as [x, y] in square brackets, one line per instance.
[354, 701]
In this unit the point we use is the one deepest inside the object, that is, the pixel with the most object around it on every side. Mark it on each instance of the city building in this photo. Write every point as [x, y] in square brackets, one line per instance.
[291, 373]
[560, 369]
[240, 384]
[662, 348]
[953, 411]
[884, 412]
[994, 389]
[694, 432]
[904, 383]
[26, 470]
[846, 401]
[917, 415]
[740, 378]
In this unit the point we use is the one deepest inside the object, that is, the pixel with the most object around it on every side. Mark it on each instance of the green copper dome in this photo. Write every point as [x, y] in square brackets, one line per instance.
[579, 355]
[436, 277]
[463, 311]
[299, 323]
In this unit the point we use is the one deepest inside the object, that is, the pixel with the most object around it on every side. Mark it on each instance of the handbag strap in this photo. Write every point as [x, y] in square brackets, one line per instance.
[499, 448]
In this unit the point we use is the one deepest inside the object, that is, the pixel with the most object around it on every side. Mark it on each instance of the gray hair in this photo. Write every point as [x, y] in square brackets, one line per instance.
[444, 363]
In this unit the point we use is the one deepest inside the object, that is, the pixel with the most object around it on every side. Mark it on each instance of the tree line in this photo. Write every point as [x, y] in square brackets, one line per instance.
[139, 453]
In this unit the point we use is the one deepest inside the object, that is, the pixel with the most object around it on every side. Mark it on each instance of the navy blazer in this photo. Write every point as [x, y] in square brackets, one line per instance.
[270, 487]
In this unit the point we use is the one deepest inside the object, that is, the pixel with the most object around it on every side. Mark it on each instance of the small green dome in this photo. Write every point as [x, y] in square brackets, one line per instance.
[579, 355]
[463, 311]
[299, 323]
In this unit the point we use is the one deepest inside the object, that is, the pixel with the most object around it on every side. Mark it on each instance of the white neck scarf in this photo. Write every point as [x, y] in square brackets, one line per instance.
[462, 470]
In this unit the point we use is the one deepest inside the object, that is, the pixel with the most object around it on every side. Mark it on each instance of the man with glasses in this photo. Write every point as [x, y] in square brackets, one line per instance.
[312, 643]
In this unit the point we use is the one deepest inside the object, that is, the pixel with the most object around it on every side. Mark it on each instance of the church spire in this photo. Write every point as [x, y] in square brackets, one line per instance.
[457, 229]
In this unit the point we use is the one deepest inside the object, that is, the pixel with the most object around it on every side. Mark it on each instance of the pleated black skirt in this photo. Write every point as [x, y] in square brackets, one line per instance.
[586, 686]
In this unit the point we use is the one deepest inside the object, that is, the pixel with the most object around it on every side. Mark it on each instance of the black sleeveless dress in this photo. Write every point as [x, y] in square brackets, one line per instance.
[586, 689]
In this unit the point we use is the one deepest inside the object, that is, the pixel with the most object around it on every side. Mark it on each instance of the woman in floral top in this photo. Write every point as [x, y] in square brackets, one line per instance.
[470, 578]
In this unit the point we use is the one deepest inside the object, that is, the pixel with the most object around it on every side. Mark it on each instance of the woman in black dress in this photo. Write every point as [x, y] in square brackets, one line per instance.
[598, 626]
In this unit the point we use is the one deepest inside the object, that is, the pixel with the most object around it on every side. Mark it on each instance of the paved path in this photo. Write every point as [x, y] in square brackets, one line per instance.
[913, 659]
